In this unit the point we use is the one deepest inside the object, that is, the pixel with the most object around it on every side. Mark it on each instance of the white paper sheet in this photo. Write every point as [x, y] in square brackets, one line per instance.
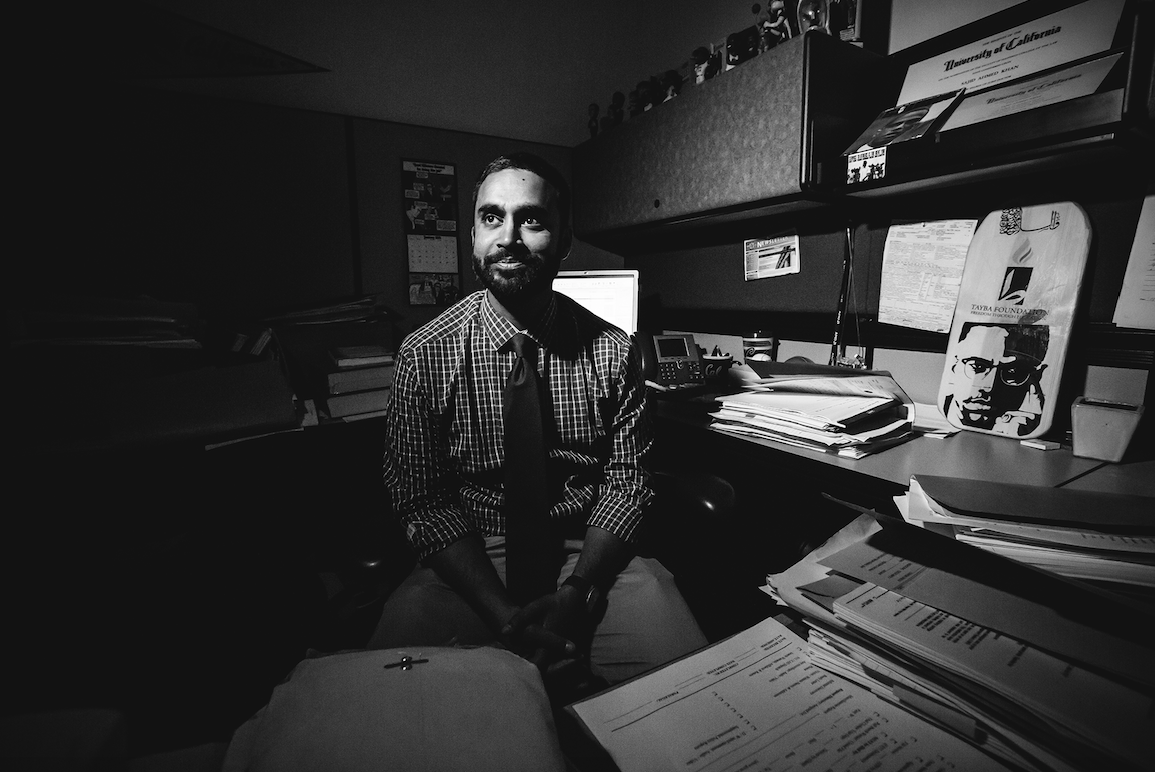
[1136, 304]
[991, 603]
[1115, 718]
[754, 701]
[922, 267]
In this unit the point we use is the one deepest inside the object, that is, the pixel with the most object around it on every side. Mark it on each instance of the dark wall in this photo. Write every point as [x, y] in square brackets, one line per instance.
[183, 198]
[246, 207]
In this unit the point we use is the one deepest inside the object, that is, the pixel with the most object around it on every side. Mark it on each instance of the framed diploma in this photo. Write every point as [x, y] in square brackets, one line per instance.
[1047, 42]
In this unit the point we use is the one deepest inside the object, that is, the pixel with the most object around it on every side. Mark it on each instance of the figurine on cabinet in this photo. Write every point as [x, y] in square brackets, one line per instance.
[700, 57]
[813, 14]
[616, 112]
[742, 46]
[592, 123]
[776, 25]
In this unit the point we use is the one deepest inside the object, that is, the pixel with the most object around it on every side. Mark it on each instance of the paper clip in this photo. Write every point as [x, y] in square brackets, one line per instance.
[406, 663]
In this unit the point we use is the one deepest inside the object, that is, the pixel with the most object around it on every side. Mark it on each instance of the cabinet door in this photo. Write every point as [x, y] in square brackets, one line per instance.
[742, 138]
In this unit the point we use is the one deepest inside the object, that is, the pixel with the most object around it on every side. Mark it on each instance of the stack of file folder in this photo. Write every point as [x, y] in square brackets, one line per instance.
[1039, 671]
[1107, 538]
[850, 413]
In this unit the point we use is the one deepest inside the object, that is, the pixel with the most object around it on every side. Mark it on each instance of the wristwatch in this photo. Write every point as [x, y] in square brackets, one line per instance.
[589, 592]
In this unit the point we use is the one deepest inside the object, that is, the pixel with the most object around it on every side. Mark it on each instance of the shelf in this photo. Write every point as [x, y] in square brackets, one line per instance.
[742, 145]
[1081, 132]
[766, 140]
[1113, 125]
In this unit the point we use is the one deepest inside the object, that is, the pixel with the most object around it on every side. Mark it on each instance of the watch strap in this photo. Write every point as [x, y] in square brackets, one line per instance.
[589, 592]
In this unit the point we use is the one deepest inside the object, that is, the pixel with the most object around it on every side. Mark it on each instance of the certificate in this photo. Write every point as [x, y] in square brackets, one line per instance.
[1070, 83]
[1051, 41]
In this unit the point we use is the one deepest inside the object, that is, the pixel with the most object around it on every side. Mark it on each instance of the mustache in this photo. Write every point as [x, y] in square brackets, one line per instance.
[501, 254]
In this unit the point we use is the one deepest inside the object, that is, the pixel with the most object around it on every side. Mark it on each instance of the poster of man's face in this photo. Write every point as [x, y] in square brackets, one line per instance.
[995, 378]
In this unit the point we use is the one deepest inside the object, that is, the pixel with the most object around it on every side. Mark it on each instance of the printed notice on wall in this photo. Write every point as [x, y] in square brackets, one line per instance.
[922, 266]
[764, 258]
[1136, 304]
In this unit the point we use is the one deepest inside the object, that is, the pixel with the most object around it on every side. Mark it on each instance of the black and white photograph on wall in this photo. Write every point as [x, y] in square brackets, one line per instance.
[429, 200]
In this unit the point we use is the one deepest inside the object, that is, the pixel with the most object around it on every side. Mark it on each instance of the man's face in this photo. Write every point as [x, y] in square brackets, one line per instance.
[516, 234]
[978, 358]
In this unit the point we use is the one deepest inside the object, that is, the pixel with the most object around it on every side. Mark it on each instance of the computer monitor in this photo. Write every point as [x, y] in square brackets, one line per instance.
[611, 294]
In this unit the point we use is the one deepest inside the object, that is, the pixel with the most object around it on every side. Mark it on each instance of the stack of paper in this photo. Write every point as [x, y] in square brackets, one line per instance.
[1102, 537]
[753, 701]
[1037, 670]
[848, 412]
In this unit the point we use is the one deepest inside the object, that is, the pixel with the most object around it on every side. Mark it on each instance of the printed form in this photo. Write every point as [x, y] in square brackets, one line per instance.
[1136, 304]
[1116, 718]
[922, 267]
[755, 702]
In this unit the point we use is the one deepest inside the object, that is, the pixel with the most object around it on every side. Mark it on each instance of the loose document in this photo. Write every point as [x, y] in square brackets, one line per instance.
[755, 702]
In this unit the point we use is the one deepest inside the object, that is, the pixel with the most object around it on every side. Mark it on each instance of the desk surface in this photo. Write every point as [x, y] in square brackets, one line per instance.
[967, 454]
[1135, 478]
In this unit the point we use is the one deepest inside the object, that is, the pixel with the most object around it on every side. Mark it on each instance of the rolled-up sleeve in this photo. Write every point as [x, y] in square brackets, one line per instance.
[625, 493]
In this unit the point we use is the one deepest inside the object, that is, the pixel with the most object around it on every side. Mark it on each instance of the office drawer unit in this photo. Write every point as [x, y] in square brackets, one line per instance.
[741, 145]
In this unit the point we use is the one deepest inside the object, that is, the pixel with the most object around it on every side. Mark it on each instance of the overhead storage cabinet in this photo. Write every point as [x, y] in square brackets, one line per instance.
[745, 141]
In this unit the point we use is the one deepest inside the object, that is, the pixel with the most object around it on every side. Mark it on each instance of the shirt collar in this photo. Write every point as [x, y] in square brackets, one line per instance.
[501, 331]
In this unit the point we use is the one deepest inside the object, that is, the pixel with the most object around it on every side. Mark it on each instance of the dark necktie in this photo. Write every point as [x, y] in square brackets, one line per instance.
[528, 564]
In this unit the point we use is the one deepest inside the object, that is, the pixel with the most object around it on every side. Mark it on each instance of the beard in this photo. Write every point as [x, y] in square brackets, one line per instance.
[977, 412]
[534, 276]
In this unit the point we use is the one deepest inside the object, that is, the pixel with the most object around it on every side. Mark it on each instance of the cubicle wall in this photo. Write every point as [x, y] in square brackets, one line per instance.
[701, 288]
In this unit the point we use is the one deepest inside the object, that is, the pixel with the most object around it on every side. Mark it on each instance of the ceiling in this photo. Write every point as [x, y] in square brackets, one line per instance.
[511, 68]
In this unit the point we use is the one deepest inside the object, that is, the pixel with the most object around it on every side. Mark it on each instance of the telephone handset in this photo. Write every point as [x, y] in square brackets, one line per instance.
[671, 361]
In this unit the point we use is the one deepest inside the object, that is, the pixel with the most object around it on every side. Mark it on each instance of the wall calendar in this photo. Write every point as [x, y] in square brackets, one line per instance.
[429, 199]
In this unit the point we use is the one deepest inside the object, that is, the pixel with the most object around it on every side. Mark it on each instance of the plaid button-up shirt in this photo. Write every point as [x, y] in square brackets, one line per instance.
[444, 430]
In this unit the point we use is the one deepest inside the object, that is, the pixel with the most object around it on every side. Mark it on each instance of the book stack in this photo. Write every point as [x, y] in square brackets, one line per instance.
[1107, 538]
[1039, 671]
[357, 385]
[850, 413]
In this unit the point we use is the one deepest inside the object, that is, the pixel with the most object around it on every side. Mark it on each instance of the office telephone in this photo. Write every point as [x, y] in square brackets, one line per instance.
[672, 361]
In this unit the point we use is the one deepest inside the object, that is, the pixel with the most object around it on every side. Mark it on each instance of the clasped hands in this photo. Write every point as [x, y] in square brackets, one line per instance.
[547, 632]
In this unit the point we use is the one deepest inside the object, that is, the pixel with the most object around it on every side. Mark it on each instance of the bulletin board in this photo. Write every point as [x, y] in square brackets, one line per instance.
[429, 203]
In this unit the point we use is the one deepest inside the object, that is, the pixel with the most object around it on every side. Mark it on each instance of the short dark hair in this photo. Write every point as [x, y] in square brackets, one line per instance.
[531, 163]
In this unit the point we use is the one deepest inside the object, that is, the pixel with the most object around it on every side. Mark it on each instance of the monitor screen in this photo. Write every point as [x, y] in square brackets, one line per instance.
[612, 295]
